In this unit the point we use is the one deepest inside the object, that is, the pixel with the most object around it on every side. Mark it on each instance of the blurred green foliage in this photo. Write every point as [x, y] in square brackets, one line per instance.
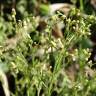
[38, 61]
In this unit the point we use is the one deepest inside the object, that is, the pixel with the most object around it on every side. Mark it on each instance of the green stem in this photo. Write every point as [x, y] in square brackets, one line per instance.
[81, 5]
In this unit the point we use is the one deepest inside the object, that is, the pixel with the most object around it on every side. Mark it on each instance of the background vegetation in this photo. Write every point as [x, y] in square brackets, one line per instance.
[45, 52]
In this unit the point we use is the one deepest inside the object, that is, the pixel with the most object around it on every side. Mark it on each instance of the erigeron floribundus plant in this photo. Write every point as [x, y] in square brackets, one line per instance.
[61, 56]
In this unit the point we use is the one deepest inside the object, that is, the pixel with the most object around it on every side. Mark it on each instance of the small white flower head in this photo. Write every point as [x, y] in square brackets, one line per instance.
[13, 13]
[25, 24]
